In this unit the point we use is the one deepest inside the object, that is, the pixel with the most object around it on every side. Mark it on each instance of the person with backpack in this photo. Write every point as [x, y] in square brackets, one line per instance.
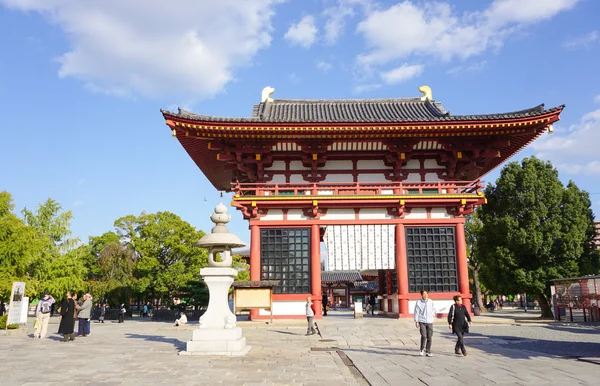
[42, 313]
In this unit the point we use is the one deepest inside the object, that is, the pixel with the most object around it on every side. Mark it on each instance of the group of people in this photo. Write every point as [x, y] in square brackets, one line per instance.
[459, 321]
[70, 311]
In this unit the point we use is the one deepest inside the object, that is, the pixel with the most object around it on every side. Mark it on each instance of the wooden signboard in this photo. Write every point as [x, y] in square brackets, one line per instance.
[253, 295]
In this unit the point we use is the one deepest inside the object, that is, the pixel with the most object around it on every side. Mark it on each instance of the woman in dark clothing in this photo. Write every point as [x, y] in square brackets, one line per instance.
[67, 318]
[459, 321]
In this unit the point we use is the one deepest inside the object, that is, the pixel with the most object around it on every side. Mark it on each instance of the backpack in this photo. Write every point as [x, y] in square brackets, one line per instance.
[45, 307]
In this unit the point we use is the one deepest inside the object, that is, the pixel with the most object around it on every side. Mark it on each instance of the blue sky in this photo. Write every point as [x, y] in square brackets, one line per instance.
[82, 82]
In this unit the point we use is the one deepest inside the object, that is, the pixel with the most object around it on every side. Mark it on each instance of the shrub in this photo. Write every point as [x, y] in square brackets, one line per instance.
[13, 326]
[3, 320]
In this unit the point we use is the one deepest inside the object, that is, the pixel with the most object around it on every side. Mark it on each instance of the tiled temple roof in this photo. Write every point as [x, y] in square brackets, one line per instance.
[388, 110]
[337, 276]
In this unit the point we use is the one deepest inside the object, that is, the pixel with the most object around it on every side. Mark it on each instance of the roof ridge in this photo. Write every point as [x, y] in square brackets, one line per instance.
[360, 100]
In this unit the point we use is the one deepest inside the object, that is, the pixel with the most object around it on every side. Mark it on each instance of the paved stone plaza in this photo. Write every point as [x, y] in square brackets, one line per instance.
[372, 350]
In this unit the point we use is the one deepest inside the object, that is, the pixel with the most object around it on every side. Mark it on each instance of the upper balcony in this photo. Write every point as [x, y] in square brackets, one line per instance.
[357, 190]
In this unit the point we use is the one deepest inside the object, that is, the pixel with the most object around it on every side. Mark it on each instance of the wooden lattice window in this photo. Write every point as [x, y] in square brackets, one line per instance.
[431, 255]
[285, 256]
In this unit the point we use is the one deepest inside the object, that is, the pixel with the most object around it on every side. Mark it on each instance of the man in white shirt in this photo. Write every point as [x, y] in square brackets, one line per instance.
[182, 319]
[424, 314]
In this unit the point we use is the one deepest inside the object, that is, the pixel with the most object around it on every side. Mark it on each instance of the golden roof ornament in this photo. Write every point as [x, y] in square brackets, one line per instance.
[426, 90]
[266, 93]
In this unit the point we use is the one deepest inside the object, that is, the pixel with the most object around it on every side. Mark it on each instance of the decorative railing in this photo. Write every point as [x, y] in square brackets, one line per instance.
[357, 188]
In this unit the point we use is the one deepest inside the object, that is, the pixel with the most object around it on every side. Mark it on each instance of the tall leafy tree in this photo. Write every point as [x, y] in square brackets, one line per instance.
[534, 230]
[20, 249]
[473, 227]
[167, 258]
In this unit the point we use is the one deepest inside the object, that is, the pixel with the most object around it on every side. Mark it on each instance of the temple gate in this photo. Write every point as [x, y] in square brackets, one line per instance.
[385, 183]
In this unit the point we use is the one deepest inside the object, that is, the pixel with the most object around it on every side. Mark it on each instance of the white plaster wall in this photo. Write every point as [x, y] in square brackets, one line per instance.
[273, 214]
[440, 213]
[295, 214]
[441, 306]
[297, 165]
[372, 178]
[413, 164]
[285, 308]
[339, 214]
[297, 179]
[370, 164]
[432, 177]
[277, 165]
[339, 178]
[278, 179]
[383, 305]
[337, 165]
[373, 214]
[432, 164]
[387, 191]
[413, 177]
[396, 306]
[417, 214]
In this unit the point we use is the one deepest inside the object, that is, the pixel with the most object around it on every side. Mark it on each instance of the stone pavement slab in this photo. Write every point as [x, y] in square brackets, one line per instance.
[371, 350]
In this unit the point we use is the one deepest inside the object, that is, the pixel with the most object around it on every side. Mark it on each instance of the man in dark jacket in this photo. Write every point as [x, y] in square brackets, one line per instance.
[459, 321]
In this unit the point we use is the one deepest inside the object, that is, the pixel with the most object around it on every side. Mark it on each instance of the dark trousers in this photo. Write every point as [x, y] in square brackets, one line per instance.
[460, 344]
[83, 327]
[426, 335]
[121, 318]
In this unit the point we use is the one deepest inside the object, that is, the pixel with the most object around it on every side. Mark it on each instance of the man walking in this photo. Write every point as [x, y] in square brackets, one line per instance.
[325, 302]
[310, 317]
[424, 314]
[42, 313]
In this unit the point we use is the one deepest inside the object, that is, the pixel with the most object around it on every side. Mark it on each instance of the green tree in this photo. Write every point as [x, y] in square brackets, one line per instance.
[534, 230]
[163, 244]
[473, 227]
[64, 273]
[20, 249]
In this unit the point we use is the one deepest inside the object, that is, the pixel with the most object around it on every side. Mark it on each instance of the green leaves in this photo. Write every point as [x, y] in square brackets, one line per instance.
[533, 230]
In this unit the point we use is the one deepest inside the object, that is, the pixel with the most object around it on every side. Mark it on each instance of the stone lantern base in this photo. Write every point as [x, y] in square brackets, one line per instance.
[218, 333]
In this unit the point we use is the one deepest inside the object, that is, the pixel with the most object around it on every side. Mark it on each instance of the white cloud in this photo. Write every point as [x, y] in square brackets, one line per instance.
[573, 150]
[366, 88]
[303, 33]
[435, 29]
[336, 20]
[402, 73]
[294, 78]
[597, 98]
[582, 41]
[324, 66]
[471, 68]
[146, 47]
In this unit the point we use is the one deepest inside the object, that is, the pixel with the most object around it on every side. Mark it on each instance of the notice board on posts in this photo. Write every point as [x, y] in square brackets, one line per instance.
[254, 295]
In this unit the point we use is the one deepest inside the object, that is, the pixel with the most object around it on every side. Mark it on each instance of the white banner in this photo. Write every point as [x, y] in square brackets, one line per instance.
[356, 247]
[17, 302]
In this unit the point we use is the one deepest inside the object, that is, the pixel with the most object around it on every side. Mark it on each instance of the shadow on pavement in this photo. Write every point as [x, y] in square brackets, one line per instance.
[179, 345]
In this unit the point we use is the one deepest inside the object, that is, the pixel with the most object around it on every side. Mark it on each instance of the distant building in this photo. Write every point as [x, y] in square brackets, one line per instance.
[597, 237]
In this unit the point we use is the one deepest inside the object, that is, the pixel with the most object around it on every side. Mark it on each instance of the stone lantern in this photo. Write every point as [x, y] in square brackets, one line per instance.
[218, 333]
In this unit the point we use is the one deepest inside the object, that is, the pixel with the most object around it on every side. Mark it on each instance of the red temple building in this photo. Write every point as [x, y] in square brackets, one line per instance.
[383, 183]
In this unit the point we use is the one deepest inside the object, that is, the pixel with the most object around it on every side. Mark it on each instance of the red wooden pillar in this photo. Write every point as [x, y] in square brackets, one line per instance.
[315, 270]
[254, 259]
[402, 270]
[462, 265]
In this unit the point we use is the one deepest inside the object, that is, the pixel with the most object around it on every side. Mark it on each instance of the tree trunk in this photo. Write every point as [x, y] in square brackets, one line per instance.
[477, 289]
[545, 307]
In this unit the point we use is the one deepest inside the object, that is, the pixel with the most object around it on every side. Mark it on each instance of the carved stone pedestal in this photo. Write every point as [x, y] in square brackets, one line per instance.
[218, 333]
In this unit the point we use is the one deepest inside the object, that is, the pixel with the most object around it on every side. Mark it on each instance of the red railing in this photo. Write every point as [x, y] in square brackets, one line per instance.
[357, 188]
